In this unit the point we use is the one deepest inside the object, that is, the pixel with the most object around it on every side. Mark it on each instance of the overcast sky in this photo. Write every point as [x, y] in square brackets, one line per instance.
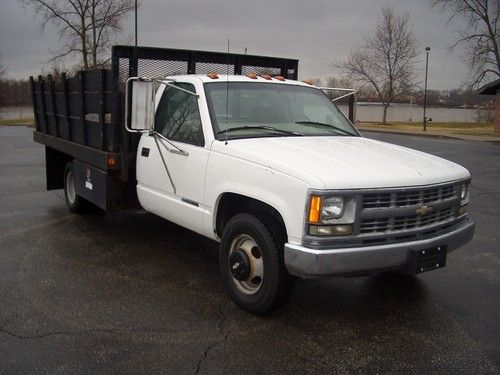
[316, 32]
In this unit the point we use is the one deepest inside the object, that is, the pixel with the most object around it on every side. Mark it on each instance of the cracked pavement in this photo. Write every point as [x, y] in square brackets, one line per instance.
[131, 293]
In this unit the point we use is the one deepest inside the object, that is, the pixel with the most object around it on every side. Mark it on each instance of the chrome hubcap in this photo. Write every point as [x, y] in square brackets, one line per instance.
[70, 187]
[246, 264]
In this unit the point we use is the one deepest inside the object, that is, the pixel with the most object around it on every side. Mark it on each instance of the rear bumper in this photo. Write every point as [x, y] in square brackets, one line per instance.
[310, 263]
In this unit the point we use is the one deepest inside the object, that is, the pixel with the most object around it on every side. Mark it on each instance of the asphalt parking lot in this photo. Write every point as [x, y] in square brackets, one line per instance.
[132, 293]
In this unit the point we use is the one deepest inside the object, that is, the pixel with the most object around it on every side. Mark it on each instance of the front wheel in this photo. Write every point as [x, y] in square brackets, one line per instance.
[251, 264]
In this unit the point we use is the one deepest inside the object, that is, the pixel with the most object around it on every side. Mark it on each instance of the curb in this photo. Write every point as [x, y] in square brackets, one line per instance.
[444, 136]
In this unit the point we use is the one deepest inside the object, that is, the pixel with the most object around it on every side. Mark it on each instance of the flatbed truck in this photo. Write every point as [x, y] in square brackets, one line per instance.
[235, 148]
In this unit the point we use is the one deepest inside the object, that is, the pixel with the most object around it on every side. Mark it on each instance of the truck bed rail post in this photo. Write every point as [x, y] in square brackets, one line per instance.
[35, 104]
[115, 102]
[352, 107]
[102, 121]
[41, 86]
[82, 106]
[237, 66]
[191, 63]
[55, 120]
[65, 105]
[284, 69]
[133, 67]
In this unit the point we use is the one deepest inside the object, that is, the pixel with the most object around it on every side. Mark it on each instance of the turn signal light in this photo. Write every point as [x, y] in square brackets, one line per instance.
[315, 209]
[111, 162]
[213, 75]
[333, 230]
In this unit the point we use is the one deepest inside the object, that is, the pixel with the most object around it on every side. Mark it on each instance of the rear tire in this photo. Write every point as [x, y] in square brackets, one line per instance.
[251, 264]
[75, 203]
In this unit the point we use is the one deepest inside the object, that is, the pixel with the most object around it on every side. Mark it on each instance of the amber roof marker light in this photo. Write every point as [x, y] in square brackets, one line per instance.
[213, 75]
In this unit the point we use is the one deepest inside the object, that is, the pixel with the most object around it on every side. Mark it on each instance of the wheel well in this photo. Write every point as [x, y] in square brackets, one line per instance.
[55, 163]
[231, 204]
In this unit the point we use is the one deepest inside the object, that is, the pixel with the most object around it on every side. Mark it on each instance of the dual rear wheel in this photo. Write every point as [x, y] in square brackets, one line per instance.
[75, 203]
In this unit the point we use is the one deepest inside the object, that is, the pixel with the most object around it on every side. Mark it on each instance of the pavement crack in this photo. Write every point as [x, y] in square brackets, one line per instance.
[204, 357]
[34, 337]
[221, 320]
[42, 335]
[224, 336]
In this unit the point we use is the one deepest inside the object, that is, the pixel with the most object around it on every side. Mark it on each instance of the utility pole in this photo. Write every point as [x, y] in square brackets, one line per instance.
[136, 23]
[427, 49]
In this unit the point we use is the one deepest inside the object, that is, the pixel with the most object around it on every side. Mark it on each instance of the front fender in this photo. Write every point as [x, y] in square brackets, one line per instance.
[226, 174]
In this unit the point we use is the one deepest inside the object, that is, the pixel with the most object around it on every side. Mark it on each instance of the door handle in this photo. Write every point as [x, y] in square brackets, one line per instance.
[178, 152]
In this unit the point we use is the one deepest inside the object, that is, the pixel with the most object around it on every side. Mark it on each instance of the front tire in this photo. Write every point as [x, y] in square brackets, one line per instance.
[251, 264]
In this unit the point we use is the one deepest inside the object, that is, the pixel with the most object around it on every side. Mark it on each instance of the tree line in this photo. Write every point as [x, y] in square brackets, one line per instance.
[15, 92]
[465, 96]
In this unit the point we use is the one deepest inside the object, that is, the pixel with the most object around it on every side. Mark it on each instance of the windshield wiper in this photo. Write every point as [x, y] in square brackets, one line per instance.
[265, 127]
[325, 125]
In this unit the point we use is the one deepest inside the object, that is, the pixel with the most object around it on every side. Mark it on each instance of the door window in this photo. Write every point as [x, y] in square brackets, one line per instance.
[177, 116]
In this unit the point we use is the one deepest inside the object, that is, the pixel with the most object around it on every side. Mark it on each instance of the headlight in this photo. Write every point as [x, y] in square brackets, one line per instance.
[333, 208]
[464, 193]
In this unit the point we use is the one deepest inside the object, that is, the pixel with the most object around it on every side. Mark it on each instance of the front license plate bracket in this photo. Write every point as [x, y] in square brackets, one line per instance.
[426, 259]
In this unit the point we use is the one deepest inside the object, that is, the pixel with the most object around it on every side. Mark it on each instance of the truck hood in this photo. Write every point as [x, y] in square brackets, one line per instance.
[345, 162]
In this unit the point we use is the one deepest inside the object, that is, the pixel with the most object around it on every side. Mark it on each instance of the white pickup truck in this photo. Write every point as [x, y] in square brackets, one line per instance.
[274, 171]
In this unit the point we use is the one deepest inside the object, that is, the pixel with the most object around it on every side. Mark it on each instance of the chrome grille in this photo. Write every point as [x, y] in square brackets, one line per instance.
[405, 222]
[386, 213]
[377, 200]
[409, 197]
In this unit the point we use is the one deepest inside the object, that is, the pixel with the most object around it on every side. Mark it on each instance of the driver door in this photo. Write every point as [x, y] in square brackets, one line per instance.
[178, 198]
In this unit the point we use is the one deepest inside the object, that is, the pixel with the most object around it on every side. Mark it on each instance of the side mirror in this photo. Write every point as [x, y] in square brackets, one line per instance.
[139, 105]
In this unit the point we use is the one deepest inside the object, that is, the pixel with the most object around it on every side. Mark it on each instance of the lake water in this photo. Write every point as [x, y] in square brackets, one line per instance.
[14, 113]
[364, 112]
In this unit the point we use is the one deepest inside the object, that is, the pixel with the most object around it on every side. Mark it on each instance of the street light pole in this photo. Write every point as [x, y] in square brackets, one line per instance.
[136, 23]
[427, 49]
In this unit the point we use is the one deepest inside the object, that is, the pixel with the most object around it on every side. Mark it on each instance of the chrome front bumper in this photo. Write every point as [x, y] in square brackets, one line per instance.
[310, 263]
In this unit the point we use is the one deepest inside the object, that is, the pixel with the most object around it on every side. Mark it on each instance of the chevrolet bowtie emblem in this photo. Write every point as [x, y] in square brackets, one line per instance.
[423, 210]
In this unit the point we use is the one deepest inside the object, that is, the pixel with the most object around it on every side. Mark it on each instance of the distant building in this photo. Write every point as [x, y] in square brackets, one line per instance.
[493, 88]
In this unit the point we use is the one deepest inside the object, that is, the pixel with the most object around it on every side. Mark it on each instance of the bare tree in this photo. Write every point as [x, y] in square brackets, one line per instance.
[3, 74]
[386, 62]
[481, 35]
[86, 27]
[3, 70]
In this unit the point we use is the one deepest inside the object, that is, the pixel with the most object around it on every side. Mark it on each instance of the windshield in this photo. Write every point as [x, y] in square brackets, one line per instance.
[248, 110]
